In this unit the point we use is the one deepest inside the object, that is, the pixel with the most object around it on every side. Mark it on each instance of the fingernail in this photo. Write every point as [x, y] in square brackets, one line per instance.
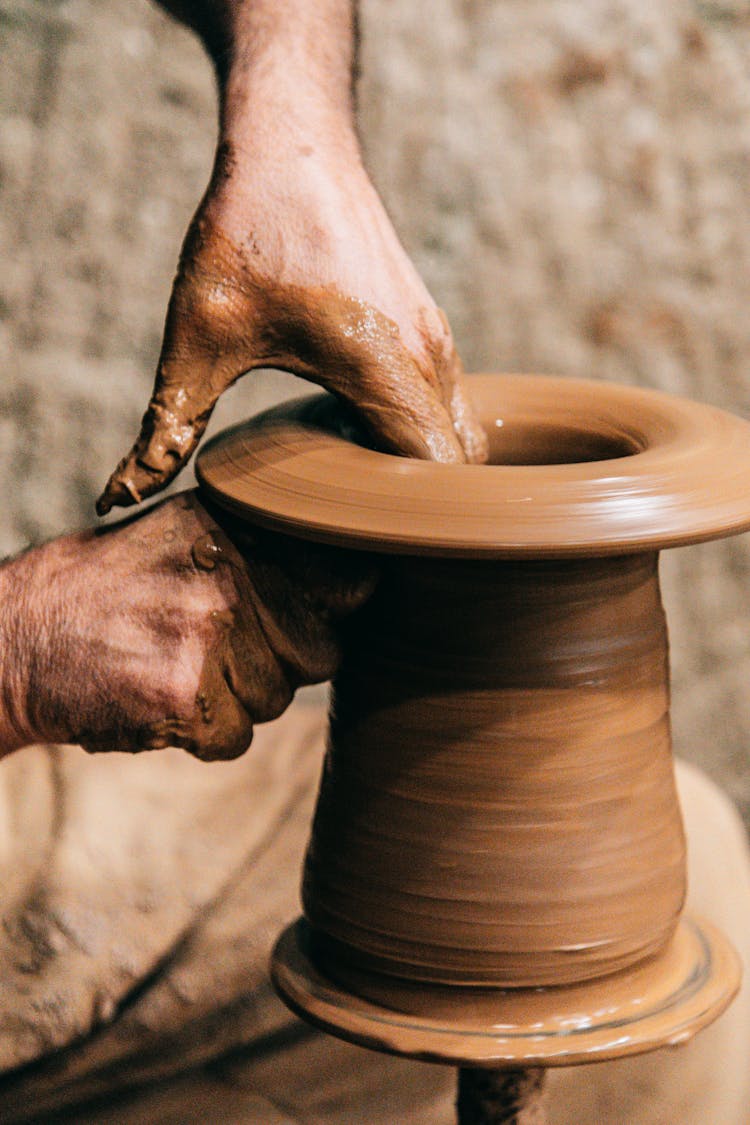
[115, 495]
[120, 492]
[103, 504]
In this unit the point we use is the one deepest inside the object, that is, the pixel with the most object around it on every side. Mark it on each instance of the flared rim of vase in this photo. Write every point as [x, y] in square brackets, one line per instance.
[577, 468]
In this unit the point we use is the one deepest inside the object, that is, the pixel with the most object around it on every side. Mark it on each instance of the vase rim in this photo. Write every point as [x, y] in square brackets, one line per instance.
[578, 468]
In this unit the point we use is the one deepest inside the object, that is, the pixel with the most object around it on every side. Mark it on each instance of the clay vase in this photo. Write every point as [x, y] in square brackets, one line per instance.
[496, 873]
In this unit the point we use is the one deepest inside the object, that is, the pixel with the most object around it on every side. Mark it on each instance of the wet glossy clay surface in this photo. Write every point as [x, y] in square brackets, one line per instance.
[578, 467]
[664, 1001]
[498, 802]
[496, 868]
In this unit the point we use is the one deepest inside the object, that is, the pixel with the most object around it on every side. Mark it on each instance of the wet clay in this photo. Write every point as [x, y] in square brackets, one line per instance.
[576, 468]
[496, 869]
[225, 318]
[662, 1000]
[501, 1097]
[498, 802]
[209, 549]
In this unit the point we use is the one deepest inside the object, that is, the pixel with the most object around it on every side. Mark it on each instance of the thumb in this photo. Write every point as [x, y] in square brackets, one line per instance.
[169, 433]
[197, 364]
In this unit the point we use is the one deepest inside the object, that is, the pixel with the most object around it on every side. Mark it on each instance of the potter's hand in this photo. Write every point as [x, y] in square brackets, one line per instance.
[159, 632]
[291, 261]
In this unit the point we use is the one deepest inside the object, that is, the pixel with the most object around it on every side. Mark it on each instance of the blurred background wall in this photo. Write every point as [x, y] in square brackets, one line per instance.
[571, 177]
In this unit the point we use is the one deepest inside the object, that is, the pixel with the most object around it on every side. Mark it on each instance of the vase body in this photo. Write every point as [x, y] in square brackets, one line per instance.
[497, 868]
[498, 805]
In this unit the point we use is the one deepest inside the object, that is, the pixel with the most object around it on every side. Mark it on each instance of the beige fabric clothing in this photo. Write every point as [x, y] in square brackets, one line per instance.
[142, 896]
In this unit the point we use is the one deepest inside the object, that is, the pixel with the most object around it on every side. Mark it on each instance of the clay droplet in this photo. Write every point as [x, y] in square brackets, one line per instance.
[206, 552]
[204, 706]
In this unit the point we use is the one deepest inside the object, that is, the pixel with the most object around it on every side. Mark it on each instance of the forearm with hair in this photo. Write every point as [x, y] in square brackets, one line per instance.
[290, 74]
[13, 669]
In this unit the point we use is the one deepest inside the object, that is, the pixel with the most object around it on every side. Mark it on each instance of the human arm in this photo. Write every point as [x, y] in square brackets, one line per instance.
[291, 261]
[165, 631]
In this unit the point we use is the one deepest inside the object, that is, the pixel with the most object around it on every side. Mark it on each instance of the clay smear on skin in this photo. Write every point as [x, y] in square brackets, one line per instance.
[281, 632]
[241, 680]
[226, 319]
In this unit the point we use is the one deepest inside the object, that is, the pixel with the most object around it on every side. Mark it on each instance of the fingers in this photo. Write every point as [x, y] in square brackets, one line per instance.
[171, 428]
[218, 329]
[353, 350]
[466, 424]
[282, 629]
[438, 344]
[225, 736]
[193, 371]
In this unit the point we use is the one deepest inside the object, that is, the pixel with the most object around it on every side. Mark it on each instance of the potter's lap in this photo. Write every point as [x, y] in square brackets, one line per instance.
[707, 1080]
[107, 863]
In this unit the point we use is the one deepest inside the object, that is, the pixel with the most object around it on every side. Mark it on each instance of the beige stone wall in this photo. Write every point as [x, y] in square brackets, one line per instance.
[570, 175]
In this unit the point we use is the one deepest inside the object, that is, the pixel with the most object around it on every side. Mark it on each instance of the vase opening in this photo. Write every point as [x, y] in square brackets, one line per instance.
[541, 441]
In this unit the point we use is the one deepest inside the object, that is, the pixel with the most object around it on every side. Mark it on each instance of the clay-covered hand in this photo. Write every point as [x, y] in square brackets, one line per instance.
[292, 263]
[159, 632]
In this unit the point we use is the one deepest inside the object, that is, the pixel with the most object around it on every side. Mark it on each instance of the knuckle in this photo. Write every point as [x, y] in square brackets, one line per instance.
[224, 741]
[274, 701]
